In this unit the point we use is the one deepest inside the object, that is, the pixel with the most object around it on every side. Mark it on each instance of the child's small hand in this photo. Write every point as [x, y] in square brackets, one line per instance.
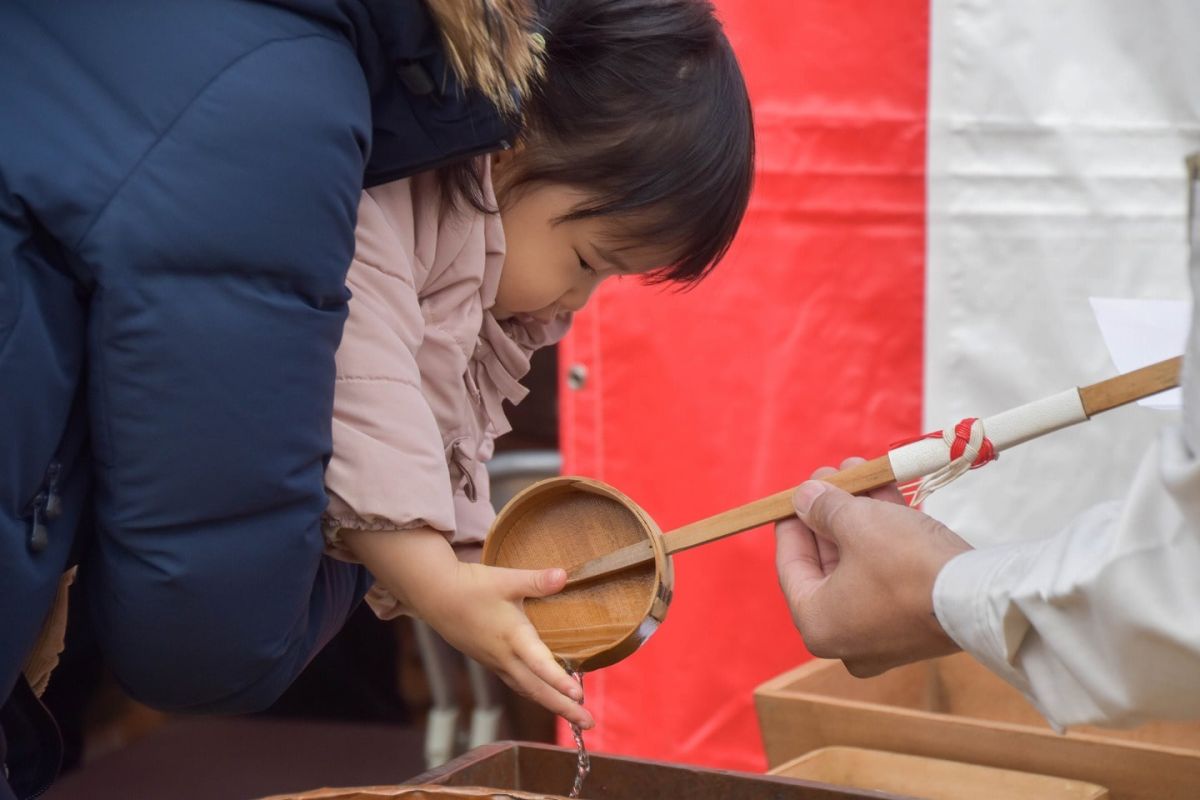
[482, 617]
[477, 609]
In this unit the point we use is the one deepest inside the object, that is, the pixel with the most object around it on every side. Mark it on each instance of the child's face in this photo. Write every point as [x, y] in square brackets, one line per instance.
[552, 267]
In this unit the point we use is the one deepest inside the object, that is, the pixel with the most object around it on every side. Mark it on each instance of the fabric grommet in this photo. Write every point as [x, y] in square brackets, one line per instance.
[577, 377]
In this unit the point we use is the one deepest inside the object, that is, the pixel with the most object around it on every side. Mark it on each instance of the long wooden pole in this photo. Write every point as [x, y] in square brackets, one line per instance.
[859, 479]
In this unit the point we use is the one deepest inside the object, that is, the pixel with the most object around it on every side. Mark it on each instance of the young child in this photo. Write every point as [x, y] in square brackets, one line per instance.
[636, 159]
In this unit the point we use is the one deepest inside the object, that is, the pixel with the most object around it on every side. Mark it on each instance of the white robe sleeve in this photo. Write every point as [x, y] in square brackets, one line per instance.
[1101, 623]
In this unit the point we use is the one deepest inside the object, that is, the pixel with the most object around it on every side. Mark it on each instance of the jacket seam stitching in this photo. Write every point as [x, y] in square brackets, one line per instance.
[395, 276]
[376, 379]
[170, 127]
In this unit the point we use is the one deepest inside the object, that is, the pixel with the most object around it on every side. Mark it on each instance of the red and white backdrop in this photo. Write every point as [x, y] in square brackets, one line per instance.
[941, 187]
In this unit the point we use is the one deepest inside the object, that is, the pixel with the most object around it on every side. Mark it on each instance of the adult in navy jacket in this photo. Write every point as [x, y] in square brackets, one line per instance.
[178, 188]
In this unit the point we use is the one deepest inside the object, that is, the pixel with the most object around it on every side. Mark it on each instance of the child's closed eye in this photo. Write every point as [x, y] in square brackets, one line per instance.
[585, 266]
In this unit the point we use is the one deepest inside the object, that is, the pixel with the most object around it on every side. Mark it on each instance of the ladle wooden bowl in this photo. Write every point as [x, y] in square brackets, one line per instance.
[619, 575]
[573, 520]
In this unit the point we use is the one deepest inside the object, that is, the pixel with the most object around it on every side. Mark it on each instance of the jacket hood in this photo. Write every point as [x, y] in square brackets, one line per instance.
[490, 45]
[444, 76]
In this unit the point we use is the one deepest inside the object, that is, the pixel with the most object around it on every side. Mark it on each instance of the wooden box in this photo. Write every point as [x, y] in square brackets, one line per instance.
[539, 768]
[954, 708]
[930, 778]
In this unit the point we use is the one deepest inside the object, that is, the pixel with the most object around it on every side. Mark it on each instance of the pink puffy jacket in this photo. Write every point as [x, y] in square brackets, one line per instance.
[423, 369]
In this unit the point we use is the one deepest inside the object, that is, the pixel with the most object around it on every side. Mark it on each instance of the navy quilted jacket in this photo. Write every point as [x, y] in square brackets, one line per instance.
[178, 188]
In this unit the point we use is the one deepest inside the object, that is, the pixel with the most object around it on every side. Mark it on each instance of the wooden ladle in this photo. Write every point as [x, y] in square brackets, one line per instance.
[620, 579]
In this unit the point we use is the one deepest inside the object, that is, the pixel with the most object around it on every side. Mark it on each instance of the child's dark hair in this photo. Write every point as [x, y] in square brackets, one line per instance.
[643, 105]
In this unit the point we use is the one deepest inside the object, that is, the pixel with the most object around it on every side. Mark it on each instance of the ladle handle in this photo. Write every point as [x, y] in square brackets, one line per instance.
[856, 480]
[859, 479]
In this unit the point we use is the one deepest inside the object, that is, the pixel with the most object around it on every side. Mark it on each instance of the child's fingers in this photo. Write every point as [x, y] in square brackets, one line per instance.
[535, 655]
[526, 683]
[517, 584]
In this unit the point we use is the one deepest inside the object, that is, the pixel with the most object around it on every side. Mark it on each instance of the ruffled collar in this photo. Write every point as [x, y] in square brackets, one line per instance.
[502, 358]
[504, 348]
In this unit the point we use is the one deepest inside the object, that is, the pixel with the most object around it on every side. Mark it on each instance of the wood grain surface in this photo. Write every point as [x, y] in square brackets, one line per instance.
[568, 521]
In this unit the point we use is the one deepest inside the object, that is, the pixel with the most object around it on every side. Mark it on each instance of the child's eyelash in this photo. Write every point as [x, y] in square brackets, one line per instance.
[585, 265]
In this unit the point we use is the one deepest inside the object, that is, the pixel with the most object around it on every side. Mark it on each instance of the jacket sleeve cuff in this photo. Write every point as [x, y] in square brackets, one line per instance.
[340, 517]
[972, 601]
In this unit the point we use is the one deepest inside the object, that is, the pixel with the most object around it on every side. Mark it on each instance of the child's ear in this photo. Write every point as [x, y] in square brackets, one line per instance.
[502, 158]
[503, 172]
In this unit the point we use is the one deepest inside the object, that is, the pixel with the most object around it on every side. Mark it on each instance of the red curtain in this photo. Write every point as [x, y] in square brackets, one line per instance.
[804, 347]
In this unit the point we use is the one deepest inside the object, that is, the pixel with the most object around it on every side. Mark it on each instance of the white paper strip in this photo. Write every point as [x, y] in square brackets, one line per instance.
[1140, 332]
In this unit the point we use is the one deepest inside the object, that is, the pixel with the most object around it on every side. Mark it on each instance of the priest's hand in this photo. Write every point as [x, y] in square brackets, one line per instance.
[858, 575]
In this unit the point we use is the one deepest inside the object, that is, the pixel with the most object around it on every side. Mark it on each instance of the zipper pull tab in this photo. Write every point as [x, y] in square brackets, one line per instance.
[53, 507]
[54, 504]
[39, 534]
